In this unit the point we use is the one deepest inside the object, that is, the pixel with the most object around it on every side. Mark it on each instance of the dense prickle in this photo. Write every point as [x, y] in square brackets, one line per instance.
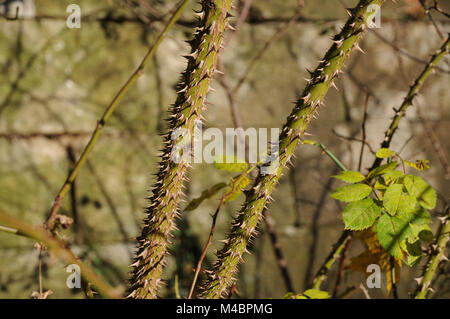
[248, 218]
[167, 191]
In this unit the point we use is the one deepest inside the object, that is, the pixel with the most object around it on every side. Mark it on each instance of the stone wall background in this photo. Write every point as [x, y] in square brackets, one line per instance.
[65, 78]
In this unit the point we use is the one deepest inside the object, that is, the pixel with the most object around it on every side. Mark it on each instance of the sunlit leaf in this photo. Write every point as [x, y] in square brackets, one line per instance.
[316, 294]
[394, 232]
[361, 214]
[230, 164]
[383, 169]
[384, 153]
[352, 192]
[234, 190]
[389, 236]
[418, 188]
[350, 176]
[420, 165]
[392, 177]
[395, 199]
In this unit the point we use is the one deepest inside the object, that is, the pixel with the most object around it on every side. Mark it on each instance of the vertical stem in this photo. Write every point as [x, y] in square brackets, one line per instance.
[413, 90]
[418, 83]
[435, 258]
[159, 224]
[50, 223]
[245, 223]
[281, 261]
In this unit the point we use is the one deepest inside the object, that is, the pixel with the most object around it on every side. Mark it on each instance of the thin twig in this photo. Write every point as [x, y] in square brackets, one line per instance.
[408, 100]
[363, 129]
[50, 223]
[405, 53]
[205, 249]
[436, 144]
[334, 254]
[351, 138]
[280, 31]
[365, 291]
[281, 261]
[61, 251]
[342, 259]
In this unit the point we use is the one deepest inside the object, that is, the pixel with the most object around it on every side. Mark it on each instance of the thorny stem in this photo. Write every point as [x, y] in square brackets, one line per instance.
[435, 258]
[418, 83]
[413, 90]
[247, 220]
[237, 121]
[185, 114]
[61, 251]
[342, 259]
[332, 257]
[50, 223]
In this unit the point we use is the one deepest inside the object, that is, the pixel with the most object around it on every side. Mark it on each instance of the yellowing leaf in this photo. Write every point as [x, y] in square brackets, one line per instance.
[420, 165]
[384, 153]
[237, 184]
[308, 294]
[392, 177]
[230, 164]
[375, 254]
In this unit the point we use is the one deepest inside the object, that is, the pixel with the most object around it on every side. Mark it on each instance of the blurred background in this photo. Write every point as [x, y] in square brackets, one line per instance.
[55, 83]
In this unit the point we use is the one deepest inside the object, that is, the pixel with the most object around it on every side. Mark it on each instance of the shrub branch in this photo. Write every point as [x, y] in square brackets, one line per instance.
[167, 192]
[50, 223]
[417, 85]
[245, 223]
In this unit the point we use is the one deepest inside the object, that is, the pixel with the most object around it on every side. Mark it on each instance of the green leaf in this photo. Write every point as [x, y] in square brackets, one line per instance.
[384, 153]
[237, 184]
[289, 295]
[414, 251]
[193, 204]
[316, 294]
[352, 192]
[392, 177]
[361, 215]
[418, 188]
[230, 164]
[350, 177]
[381, 170]
[388, 235]
[395, 232]
[380, 185]
[395, 200]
